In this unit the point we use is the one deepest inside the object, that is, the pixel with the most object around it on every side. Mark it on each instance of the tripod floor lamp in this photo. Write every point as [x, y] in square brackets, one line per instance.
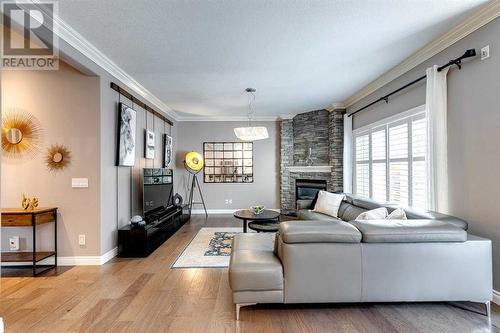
[193, 162]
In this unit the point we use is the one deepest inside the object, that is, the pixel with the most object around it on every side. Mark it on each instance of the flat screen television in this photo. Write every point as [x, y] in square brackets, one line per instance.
[157, 191]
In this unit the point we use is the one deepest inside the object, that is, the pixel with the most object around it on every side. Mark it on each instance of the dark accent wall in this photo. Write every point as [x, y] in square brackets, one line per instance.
[321, 130]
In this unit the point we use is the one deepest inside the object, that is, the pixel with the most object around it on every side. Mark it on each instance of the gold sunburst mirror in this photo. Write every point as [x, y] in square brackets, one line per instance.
[58, 157]
[21, 134]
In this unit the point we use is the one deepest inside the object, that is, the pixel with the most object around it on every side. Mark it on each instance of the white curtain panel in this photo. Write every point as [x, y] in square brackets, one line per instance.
[437, 140]
[348, 152]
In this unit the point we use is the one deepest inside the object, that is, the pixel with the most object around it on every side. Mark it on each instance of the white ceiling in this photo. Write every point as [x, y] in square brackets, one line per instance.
[199, 56]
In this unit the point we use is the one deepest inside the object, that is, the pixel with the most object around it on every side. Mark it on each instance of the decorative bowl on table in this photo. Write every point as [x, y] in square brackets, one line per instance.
[257, 209]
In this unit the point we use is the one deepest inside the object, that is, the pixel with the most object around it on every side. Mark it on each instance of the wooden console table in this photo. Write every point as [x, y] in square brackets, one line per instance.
[16, 217]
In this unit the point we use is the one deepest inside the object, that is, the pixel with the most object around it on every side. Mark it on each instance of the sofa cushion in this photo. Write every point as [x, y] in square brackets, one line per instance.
[397, 214]
[409, 231]
[318, 232]
[416, 214]
[373, 214]
[307, 214]
[253, 265]
[328, 203]
[349, 212]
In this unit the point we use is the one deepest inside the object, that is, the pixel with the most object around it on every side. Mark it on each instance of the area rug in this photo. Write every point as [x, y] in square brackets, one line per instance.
[211, 247]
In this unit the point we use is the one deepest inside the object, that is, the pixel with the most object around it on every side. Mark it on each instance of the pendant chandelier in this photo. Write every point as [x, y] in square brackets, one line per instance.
[251, 133]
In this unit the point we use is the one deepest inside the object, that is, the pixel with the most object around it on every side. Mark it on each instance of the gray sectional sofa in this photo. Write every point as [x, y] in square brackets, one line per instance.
[320, 259]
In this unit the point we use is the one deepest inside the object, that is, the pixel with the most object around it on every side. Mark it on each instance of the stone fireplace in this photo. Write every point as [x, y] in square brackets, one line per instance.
[311, 150]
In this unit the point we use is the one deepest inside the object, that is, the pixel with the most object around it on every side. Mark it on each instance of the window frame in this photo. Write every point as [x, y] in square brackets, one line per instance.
[406, 117]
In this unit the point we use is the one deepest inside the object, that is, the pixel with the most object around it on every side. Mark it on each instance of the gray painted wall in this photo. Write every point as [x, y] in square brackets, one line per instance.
[473, 130]
[121, 187]
[265, 188]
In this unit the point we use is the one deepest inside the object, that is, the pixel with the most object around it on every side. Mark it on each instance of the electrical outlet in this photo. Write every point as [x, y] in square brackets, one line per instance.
[14, 243]
[81, 239]
[485, 52]
[227, 201]
[230, 201]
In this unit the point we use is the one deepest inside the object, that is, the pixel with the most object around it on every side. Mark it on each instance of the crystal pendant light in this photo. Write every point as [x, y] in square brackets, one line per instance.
[251, 133]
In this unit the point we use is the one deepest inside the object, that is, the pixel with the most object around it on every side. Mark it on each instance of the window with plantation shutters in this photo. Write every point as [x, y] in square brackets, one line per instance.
[362, 165]
[390, 159]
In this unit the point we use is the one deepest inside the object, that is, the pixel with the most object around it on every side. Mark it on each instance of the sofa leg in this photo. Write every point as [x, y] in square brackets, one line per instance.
[239, 306]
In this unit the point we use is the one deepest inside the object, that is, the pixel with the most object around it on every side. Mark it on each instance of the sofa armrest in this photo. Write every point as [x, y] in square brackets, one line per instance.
[318, 232]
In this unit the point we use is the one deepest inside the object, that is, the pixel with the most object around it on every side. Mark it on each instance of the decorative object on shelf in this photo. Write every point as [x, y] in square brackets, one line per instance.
[251, 132]
[309, 160]
[228, 162]
[126, 137]
[193, 162]
[21, 134]
[167, 152]
[137, 221]
[257, 209]
[150, 145]
[177, 200]
[29, 203]
[58, 157]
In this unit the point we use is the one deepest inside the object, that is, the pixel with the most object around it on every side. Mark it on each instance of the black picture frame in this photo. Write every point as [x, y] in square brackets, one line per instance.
[126, 136]
[167, 150]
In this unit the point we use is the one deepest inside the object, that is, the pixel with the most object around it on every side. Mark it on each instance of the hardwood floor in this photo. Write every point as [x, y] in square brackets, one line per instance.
[145, 295]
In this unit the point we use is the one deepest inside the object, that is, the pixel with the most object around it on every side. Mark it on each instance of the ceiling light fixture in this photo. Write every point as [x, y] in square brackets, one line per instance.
[251, 133]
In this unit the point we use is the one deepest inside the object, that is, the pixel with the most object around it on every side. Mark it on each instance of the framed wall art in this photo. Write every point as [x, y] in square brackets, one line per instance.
[127, 118]
[167, 151]
[149, 151]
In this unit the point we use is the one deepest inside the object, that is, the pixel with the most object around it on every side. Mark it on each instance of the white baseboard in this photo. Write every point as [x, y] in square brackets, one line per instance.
[222, 211]
[87, 260]
[496, 297]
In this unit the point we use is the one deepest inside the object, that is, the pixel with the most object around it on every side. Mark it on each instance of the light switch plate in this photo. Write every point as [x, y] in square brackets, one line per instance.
[79, 182]
[485, 52]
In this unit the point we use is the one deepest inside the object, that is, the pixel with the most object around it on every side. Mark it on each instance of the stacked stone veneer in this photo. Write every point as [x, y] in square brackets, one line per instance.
[321, 130]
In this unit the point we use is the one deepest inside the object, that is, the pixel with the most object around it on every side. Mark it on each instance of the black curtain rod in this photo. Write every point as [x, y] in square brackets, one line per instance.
[137, 101]
[458, 61]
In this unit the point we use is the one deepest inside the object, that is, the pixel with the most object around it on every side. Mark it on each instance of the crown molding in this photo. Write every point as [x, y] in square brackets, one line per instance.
[225, 118]
[481, 17]
[82, 45]
[335, 106]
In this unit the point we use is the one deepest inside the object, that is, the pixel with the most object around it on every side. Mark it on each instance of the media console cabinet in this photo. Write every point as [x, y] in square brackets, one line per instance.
[31, 218]
[142, 241]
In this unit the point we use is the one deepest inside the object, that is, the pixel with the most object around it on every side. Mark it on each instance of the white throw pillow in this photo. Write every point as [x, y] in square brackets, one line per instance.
[397, 214]
[328, 203]
[374, 214]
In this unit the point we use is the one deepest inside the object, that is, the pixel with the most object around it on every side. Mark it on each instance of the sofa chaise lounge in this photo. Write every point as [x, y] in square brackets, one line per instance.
[320, 259]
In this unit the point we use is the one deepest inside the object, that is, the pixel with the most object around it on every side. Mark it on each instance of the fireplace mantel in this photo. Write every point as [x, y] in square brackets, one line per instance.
[310, 168]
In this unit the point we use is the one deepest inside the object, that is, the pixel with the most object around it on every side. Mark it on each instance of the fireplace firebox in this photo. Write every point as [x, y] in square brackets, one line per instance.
[306, 189]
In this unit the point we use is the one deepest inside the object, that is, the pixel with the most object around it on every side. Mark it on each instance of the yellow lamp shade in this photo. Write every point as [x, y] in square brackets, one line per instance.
[194, 161]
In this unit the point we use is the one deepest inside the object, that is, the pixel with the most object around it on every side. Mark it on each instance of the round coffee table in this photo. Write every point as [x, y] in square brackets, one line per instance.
[264, 226]
[247, 215]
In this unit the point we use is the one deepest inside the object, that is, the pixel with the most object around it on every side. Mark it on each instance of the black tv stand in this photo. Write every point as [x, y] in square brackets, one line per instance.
[142, 241]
